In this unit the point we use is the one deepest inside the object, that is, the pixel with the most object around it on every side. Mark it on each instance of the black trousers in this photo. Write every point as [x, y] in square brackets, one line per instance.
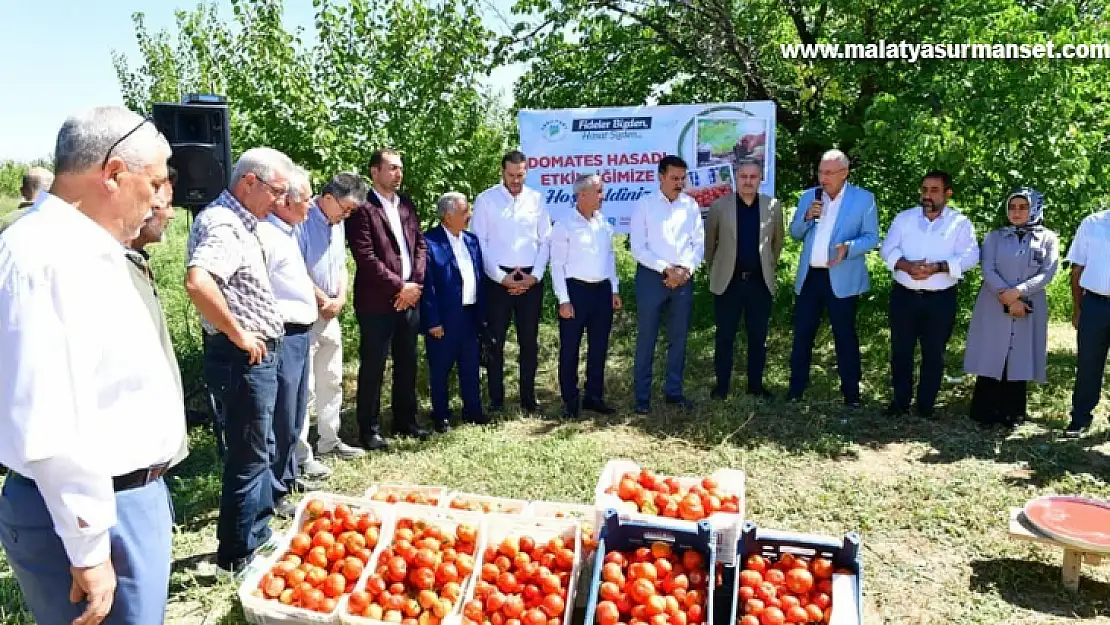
[524, 311]
[925, 318]
[379, 335]
[998, 401]
[593, 315]
[747, 297]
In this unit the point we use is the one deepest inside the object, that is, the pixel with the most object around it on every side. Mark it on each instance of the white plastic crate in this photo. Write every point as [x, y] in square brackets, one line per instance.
[500, 526]
[496, 505]
[436, 495]
[726, 527]
[586, 517]
[449, 520]
[262, 611]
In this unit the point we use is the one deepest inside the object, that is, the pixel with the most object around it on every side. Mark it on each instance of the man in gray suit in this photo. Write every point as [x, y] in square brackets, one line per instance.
[744, 235]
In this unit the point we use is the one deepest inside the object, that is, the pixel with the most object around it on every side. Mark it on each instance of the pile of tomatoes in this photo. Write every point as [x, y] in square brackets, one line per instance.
[324, 560]
[413, 496]
[487, 506]
[707, 195]
[649, 493]
[790, 590]
[653, 586]
[420, 576]
[523, 582]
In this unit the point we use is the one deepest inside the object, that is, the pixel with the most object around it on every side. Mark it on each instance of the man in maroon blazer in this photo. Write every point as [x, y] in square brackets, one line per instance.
[386, 241]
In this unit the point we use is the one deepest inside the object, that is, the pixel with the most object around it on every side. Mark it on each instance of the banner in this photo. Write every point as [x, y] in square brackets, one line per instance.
[625, 144]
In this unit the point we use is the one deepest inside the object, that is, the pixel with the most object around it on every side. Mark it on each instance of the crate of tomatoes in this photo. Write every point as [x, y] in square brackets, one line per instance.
[584, 516]
[486, 504]
[318, 562]
[681, 502]
[648, 574]
[396, 492]
[788, 577]
[527, 573]
[421, 574]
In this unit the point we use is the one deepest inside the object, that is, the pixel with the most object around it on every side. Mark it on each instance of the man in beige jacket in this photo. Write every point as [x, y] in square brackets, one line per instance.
[744, 236]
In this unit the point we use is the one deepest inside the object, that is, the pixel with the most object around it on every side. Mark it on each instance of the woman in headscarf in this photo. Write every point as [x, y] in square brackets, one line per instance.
[1007, 340]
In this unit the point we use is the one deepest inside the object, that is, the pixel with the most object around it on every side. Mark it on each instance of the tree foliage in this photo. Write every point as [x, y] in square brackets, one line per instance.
[994, 124]
[394, 73]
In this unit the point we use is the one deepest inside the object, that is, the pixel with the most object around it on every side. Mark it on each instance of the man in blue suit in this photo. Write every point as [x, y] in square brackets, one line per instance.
[452, 310]
[838, 224]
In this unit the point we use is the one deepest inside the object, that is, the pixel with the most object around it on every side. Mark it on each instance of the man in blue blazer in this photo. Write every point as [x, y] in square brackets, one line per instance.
[452, 310]
[838, 224]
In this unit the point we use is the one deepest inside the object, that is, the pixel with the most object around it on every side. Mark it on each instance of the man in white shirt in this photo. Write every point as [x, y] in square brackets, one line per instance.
[513, 228]
[451, 311]
[85, 518]
[322, 242]
[584, 278]
[1090, 292]
[296, 301]
[668, 242]
[929, 248]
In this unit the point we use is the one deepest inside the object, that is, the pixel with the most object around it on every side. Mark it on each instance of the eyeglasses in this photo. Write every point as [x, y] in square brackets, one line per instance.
[275, 190]
[115, 145]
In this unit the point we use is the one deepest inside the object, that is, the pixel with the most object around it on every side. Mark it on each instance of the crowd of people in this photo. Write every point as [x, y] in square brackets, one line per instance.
[91, 401]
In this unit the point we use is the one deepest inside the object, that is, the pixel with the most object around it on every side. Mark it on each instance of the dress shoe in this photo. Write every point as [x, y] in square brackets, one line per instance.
[414, 431]
[642, 408]
[1074, 429]
[718, 394]
[599, 406]
[343, 451]
[926, 413]
[497, 408]
[853, 404]
[530, 407]
[571, 410]
[479, 419]
[761, 393]
[315, 470]
[895, 409]
[443, 426]
[374, 442]
[302, 485]
[681, 402]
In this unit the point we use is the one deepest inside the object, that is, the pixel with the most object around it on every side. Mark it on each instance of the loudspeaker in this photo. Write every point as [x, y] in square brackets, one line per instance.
[200, 136]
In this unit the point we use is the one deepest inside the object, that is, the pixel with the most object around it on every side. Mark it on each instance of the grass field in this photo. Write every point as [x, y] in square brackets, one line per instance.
[930, 498]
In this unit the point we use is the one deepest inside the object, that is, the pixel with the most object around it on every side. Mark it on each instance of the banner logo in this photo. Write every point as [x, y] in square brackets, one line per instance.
[554, 130]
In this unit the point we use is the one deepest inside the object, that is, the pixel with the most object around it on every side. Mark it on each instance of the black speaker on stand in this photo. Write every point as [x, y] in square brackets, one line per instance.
[199, 131]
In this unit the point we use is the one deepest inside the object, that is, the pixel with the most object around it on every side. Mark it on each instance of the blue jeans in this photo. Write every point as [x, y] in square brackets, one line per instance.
[1093, 339]
[290, 407]
[141, 554]
[816, 296]
[653, 299]
[245, 396]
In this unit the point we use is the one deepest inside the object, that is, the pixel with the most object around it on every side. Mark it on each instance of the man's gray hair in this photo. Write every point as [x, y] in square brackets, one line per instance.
[346, 187]
[86, 138]
[449, 202]
[749, 162]
[585, 181]
[35, 180]
[838, 156]
[300, 185]
[265, 163]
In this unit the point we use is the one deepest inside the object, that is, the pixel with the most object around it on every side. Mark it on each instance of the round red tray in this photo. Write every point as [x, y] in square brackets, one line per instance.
[1075, 521]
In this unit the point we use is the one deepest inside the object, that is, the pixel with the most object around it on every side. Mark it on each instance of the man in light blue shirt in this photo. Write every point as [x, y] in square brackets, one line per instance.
[323, 245]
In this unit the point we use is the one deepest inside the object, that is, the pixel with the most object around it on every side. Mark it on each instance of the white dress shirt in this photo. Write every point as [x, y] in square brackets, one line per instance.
[1091, 249]
[950, 238]
[582, 249]
[293, 288]
[466, 268]
[86, 392]
[665, 233]
[822, 236]
[513, 231]
[392, 210]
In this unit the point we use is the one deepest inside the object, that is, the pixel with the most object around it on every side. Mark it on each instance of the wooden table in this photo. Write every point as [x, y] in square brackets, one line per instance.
[1074, 558]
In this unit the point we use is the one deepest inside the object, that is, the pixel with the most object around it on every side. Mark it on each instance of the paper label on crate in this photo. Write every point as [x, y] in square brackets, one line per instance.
[845, 610]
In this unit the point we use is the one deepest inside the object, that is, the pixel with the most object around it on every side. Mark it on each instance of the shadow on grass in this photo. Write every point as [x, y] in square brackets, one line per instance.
[1037, 586]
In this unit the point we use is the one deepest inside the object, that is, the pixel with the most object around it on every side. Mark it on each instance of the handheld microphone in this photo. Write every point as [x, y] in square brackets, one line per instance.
[817, 197]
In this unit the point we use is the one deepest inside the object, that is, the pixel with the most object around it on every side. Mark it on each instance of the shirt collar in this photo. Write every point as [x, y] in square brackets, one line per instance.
[451, 237]
[396, 199]
[230, 201]
[280, 223]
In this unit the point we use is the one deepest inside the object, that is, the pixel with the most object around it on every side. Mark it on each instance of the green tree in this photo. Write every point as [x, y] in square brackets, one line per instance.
[399, 73]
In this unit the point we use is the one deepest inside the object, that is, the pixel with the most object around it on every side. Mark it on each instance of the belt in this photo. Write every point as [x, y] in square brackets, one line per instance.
[744, 275]
[589, 285]
[128, 481]
[297, 328]
[1098, 295]
[923, 292]
[527, 270]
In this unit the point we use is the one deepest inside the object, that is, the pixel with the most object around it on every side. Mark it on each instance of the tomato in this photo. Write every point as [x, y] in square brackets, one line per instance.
[749, 620]
[772, 616]
[314, 508]
[692, 559]
[750, 578]
[745, 593]
[775, 576]
[642, 590]
[358, 602]
[754, 606]
[799, 581]
[815, 613]
[607, 613]
[822, 568]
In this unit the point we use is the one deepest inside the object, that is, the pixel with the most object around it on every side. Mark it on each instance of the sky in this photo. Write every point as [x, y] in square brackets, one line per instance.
[56, 58]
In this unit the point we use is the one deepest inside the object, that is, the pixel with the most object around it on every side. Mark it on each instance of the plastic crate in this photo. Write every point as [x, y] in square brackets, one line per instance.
[843, 552]
[619, 534]
[262, 611]
[448, 519]
[496, 505]
[436, 495]
[500, 527]
[726, 527]
[588, 523]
